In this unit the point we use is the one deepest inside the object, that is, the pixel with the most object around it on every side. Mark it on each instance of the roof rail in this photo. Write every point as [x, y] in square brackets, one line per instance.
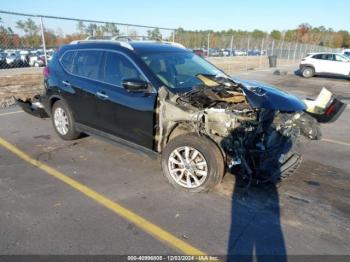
[86, 41]
[146, 38]
[123, 40]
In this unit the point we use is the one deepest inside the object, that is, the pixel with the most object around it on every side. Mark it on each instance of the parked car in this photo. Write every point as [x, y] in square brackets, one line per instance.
[3, 63]
[214, 52]
[163, 99]
[254, 52]
[325, 64]
[34, 59]
[14, 60]
[241, 53]
[199, 52]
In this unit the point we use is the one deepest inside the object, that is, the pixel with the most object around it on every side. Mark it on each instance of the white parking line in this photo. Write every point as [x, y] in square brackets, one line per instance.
[11, 113]
[336, 142]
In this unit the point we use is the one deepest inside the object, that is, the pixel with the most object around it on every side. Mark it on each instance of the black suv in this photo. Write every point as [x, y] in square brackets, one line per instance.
[160, 97]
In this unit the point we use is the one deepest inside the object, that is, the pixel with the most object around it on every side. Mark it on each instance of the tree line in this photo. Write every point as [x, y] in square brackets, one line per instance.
[304, 33]
[30, 36]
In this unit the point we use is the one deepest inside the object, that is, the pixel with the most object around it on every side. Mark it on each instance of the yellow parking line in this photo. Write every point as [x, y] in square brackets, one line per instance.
[127, 214]
[10, 113]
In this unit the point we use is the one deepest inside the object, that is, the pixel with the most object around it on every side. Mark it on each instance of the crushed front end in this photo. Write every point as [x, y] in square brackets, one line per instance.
[256, 128]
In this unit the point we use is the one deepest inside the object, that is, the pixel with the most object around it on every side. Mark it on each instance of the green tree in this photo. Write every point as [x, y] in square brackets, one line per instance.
[154, 34]
[81, 27]
[258, 34]
[31, 31]
[275, 34]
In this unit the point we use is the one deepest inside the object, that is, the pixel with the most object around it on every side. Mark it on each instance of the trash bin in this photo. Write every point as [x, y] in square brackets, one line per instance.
[273, 60]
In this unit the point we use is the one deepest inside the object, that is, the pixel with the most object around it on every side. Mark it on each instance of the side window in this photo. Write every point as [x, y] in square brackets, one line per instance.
[117, 68]
[340, 58]
[87, 63]
[67, 60]
[329, 57]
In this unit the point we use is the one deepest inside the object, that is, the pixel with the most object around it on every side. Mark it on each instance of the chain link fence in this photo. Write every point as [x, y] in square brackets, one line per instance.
[30, 40]
[237, 53]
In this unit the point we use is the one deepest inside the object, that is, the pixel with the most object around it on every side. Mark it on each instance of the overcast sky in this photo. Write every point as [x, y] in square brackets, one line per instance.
[194, 14]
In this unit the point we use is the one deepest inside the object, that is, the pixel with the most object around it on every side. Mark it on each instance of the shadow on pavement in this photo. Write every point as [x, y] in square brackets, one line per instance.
[255, 233]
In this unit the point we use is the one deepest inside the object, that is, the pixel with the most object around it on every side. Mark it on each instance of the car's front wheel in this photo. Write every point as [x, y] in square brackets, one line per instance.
[192, 163]
[308, 72]
[63, 121]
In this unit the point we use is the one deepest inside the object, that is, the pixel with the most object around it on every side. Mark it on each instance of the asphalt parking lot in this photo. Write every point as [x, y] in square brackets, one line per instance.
[63, 204]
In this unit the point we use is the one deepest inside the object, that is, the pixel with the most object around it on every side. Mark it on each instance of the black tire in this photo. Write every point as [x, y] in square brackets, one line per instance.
[308, 72]
[71, 134]
[208, 149]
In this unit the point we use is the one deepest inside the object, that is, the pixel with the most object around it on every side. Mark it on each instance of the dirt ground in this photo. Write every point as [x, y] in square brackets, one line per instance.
[26, 82]
[237, 64]
[19, 83]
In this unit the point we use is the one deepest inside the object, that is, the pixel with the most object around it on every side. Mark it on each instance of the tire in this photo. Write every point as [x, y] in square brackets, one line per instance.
[63, 121]
[204, 171]
[308, 72]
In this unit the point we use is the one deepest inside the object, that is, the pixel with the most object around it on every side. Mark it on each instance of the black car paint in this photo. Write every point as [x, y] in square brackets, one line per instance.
[127, 115]
[130, 116]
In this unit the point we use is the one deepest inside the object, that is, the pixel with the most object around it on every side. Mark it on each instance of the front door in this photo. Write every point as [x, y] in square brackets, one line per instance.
[125, 114]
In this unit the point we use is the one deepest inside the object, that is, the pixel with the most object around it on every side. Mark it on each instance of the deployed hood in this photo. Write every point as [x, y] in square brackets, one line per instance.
[260, 95]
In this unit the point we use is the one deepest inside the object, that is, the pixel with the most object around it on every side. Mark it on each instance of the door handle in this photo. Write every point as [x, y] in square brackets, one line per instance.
[66, 83]
[101, 95]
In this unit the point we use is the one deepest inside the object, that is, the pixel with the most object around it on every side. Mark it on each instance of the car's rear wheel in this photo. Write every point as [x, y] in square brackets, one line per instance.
[192, 163]
[308, 72]
[63, 121]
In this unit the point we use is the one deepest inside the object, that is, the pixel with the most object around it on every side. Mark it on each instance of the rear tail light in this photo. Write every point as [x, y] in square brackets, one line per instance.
[46, 71]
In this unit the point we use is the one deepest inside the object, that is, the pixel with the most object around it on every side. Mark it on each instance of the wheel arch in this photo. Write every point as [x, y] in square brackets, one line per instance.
[182, 129]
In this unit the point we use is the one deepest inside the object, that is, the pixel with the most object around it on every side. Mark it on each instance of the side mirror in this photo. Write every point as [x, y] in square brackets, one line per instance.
[135, 85]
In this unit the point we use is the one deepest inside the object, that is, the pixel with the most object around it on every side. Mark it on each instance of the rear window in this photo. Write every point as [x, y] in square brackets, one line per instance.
[87, 63]
[67, 60]
[324, 57]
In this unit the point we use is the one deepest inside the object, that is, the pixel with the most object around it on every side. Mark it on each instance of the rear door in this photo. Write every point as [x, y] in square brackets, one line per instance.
[323, 63]
[119, 112]
[341, 65]
[81, 85]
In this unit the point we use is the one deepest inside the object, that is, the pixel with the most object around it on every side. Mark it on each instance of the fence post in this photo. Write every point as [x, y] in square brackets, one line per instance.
[246, 61]
[208, 45]
[231, 52]
[261, 50]
[289, 47]
[295, 51]
[281, 51]
[43, 38]
[273, 47]
[299, 55]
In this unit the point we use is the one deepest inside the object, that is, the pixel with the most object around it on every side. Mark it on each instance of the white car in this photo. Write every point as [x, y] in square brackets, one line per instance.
[325, 64]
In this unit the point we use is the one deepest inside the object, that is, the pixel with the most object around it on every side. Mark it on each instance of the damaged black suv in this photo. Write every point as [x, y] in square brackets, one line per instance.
[160, 97]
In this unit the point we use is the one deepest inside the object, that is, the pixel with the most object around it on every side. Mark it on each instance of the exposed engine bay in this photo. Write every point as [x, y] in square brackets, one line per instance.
[258, 141]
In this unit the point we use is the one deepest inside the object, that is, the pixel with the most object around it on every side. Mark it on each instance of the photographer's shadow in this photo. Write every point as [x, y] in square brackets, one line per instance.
[255, 233]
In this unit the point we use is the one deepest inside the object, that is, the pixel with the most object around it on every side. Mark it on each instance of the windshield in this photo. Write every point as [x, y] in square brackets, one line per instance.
[179, 70]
